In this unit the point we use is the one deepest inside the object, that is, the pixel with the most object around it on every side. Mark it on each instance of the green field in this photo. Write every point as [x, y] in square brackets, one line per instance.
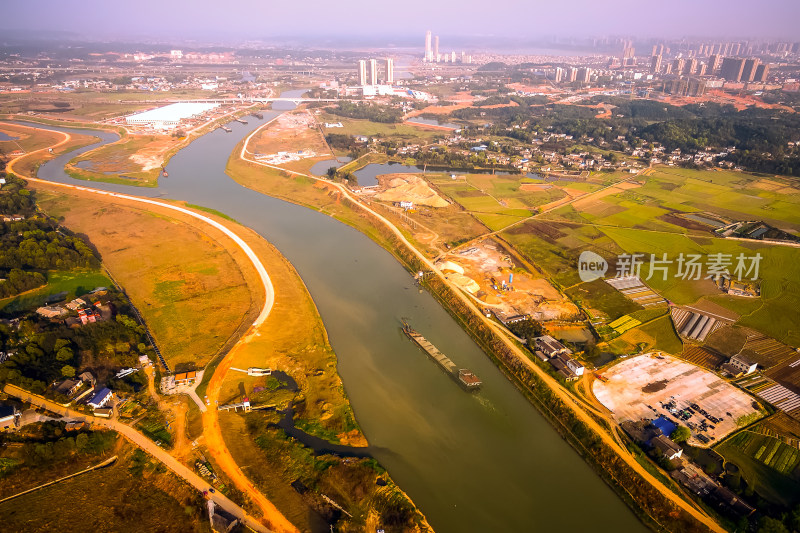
[624, 323]
[642, 221]
[74, 283]
[351, 126]
[769, 466]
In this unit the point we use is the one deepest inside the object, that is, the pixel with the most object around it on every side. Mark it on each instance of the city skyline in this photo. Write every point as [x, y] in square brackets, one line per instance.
[211, 21]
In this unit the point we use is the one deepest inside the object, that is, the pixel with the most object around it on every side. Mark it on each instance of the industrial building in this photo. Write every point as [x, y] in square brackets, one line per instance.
[170, 115]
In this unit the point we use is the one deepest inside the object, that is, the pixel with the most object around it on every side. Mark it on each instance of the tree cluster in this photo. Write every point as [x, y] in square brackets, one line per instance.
[373, 112]
[47, 352]
[15, 199]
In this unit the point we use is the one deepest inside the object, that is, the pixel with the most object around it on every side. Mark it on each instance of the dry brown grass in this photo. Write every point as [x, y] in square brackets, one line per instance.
[186, 279]
[289, 132]
[109, 499]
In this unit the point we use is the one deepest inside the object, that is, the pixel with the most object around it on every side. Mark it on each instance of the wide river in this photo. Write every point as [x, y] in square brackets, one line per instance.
[485, 462]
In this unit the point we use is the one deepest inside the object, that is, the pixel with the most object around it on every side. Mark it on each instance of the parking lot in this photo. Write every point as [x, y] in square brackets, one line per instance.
[652, 385]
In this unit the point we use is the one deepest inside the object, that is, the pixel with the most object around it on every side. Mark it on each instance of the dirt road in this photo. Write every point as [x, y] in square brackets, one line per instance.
[145, 444]
[555, 387]
[211, 429]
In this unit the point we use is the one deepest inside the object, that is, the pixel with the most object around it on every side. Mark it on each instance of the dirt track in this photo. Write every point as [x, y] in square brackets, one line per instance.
[555, 387]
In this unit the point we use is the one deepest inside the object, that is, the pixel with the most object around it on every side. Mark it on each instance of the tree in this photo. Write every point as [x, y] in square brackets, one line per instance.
[81, 441]
[331, 172]
[771, 525]
[794, 518]
[68, 371]
[65, 354]
[681, 434]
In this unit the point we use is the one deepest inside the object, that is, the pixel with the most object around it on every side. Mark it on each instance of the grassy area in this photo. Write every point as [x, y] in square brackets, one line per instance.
[175, 274]
[90, 105]
[658, 334]
[368, 128]
[26, 139]
[133, 160]
[350, 482]
[642, 220]
[137, 495]
[74, 283]
[770, 467]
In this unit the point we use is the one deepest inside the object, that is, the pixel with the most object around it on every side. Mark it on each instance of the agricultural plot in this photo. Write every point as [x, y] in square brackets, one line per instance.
[787, 373]
[770, 451]
[769, 466]
[633, 288]
[695, 325]
[784, 426]
[624, 323]
[769, 352]
[776, 394]
[644, 221]
[703, 357]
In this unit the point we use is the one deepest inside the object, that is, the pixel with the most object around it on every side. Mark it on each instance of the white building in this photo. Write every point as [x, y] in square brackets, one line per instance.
[101, 398]
[743, 364]
[373, 72]
[362, 72]
[389, 70]
[170, 115]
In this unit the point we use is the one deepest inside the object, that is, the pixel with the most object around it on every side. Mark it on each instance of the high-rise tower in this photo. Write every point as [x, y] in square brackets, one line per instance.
[389, 70]
[428, 49]
[362, 72]
[373, 72]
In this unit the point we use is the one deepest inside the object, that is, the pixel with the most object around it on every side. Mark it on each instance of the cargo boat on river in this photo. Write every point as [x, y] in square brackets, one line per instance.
[463, 377]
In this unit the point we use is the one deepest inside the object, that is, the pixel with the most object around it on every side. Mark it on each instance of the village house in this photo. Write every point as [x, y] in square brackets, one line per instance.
[667, 447]
[101, 398]
[185, 378]
[8, 414]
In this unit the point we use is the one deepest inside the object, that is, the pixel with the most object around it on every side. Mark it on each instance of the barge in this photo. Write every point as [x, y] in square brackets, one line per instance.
[463, 377]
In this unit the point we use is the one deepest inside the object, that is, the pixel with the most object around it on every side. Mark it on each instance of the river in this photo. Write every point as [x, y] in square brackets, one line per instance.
[471, 462]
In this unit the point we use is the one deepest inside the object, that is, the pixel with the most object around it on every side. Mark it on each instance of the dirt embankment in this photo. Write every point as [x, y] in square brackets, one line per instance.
[408, 188]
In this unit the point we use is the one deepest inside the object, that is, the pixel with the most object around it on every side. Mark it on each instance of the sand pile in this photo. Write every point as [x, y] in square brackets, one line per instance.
[411, 189]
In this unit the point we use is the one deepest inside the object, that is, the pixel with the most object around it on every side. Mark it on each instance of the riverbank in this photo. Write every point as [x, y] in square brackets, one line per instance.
[284, 339]
[450, 451]
[653, 502]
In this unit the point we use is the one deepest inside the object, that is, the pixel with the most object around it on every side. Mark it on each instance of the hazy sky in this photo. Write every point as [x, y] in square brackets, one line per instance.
[210, 20]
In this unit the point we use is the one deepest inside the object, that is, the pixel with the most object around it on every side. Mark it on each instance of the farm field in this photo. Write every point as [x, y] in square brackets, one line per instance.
[644, 220]
[176, 280]
[769, 466]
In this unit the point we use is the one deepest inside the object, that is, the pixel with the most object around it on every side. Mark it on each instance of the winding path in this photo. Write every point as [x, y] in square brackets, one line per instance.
[569, 400]
[211, 428]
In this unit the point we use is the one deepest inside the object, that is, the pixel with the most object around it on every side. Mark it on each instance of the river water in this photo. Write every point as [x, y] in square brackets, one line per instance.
[485, 462]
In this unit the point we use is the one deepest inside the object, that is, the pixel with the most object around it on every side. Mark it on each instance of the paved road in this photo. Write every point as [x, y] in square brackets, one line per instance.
[145, 444]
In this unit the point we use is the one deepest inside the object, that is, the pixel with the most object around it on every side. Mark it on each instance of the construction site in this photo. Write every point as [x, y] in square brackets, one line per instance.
[487, 272]
[658, 385]
[408, 188]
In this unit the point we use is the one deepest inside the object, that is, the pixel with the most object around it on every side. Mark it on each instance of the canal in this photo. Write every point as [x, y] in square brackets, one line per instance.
[471, 462]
